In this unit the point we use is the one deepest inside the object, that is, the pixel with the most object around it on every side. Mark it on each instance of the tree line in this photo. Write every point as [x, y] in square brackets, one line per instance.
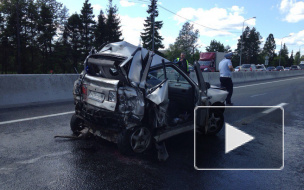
[249, 42]
[39, 36]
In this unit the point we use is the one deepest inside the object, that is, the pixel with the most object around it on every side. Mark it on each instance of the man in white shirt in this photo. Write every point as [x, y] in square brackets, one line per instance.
[225, 68]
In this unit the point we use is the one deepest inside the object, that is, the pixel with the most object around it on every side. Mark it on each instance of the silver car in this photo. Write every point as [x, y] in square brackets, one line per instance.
[133, 97]
[247, 67]
[260, 67]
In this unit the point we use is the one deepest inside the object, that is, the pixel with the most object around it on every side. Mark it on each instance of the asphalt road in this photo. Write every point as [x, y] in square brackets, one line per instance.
[30, 158]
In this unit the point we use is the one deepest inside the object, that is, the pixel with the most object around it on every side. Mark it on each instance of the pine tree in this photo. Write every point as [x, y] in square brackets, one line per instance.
[100, 31]
[215, 46]
[62, 49]
[32, 17]
[284, 55]
[3, 44]
[146, 36]
[87, 17]
[13, 12]
[187, 38]
[251, 45]
[297, 58]
[269, 47]
[73, 31]
[113, 24]
[47, 30]
[63, 20]
[291, 59]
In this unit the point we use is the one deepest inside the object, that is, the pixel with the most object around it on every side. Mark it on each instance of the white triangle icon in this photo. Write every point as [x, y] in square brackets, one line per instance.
[235, 138]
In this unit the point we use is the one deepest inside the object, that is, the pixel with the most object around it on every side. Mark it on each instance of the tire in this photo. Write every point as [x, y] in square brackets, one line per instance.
[76, 124]
[133, 141]
[215, 123]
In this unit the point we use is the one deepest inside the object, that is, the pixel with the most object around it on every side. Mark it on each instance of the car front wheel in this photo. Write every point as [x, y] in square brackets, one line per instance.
[137, 140]
[215, 123]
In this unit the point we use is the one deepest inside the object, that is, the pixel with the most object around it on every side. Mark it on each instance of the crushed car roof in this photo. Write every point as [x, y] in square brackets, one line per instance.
[126, 49]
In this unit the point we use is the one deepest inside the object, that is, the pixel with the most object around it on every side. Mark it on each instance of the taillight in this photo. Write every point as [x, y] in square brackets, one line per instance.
[84, 89]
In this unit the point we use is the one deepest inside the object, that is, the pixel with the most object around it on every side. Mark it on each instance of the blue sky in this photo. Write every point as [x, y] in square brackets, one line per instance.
[280, 17]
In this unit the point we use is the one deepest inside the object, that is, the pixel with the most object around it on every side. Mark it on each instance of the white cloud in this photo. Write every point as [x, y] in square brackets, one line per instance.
[293, 10]
[144, 5]
[294, 39]
[285, 5]
[126, 3]
[160, 2]
[223, 20]
[237, 9]
[97, 7]
[131, 28]
[168, 40]
[293, 42]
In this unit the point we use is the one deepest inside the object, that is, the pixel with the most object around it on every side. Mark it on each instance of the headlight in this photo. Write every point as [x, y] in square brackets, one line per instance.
[112, 96]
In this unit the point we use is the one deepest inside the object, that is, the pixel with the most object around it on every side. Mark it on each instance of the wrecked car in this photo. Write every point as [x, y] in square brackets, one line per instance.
[134, 97]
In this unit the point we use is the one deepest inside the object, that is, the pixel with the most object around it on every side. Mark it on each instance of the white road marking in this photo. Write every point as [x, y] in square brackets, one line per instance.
[274, 108]
[266, 83]
[33, 160]
[258, 95]
[38, 117]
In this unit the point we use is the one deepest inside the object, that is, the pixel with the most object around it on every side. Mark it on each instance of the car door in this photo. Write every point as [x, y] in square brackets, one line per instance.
[202, 114]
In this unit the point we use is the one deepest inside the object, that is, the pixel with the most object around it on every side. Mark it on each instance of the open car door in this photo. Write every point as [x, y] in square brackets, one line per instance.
[202, 114]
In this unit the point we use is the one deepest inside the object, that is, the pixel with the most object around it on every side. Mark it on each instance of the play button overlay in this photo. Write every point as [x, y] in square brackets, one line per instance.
[251, 138]
[235, 138]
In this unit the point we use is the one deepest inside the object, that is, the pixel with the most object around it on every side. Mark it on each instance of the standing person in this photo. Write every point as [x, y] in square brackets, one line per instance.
[183, 63]
[225, 67]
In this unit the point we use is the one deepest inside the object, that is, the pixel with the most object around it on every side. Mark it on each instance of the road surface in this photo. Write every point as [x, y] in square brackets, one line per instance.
[30, 158]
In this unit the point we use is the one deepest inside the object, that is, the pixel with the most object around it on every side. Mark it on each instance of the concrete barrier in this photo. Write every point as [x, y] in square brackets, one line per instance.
[17, 90]
[239, 77]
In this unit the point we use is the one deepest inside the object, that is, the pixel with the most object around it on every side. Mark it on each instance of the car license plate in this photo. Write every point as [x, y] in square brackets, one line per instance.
[96, 96]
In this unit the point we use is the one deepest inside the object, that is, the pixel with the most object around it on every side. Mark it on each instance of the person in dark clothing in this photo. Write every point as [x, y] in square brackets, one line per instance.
[225, 67]
[183, 63]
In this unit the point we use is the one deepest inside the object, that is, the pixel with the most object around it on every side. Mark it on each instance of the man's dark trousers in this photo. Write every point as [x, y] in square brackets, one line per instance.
[227, 83]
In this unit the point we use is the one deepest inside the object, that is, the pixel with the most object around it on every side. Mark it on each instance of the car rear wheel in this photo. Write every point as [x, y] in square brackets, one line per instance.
[76, 124]
[137, 140]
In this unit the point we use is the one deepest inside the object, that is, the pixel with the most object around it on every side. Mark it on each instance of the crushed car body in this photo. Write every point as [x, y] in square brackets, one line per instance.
[134, 97]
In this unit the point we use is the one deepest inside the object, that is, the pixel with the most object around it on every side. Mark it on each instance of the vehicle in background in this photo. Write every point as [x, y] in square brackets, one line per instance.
[287, 69]
[279, 68]
[247, 67]
[260, 67]
[209, 61]
[302, 65]
[295, 67]
[191, 68]
[271, 68]
[237, 69]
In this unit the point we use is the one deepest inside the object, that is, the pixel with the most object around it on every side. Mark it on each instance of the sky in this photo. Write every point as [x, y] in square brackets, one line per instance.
[220, 20]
